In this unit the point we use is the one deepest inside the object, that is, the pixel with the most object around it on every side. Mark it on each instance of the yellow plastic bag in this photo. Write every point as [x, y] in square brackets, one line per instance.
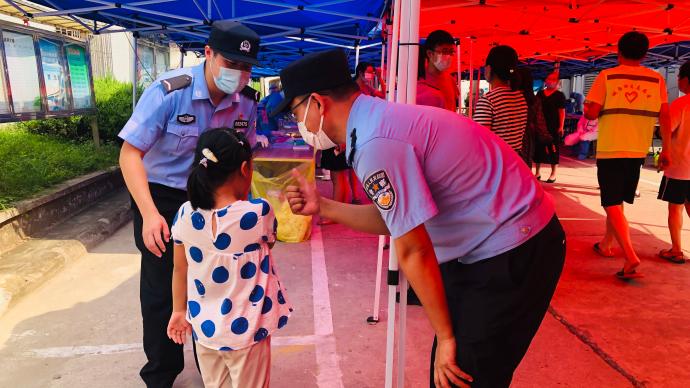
[269, 182]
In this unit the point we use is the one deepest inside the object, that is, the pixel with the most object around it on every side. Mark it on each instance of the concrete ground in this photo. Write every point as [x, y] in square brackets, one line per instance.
[82, 327]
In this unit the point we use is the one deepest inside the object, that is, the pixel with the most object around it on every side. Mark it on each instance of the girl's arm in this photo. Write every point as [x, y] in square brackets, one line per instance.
[179, 280]
[178, 327]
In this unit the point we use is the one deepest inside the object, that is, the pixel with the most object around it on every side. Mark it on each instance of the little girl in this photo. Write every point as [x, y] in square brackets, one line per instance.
[225, 289]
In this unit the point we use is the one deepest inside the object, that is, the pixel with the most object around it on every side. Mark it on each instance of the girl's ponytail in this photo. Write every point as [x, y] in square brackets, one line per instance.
[199, 191]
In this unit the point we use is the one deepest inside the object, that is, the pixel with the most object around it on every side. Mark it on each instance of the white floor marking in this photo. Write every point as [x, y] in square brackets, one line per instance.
[95, 350]
[329, 374]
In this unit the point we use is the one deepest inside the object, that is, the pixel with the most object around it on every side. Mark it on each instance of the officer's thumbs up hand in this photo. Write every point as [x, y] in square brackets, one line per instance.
[304, 200]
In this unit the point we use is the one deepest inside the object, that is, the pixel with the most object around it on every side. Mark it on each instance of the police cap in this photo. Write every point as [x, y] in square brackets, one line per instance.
[234, 41]
[314, 72]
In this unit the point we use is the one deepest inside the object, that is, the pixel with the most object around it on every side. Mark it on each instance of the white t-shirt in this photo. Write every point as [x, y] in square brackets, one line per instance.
[235, 298]
[680, 141]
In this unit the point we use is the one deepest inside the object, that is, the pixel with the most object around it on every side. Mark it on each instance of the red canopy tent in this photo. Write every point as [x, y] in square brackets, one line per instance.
[555, 30]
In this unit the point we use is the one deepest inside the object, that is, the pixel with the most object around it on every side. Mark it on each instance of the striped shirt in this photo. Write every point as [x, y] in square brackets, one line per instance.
[504, 112]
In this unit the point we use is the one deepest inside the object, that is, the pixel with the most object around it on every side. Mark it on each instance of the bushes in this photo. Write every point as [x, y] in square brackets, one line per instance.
[31, 162]
[114, 106]
[114, 103]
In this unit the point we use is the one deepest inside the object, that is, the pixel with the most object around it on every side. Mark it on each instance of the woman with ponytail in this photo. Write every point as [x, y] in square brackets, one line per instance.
[226, 292]
[503, 109]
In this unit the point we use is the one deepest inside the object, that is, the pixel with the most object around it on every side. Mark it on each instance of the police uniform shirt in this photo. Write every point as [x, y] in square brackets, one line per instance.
[424, 165]
[167, 125]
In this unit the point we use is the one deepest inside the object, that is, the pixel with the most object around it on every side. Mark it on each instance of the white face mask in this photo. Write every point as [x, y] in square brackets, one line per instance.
[369, 77]
[231, 81]
[318, 140]
[442, 62]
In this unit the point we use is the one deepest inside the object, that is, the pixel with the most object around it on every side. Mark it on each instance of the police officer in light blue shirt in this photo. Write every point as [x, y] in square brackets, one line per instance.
[156, 159]
[475, 233]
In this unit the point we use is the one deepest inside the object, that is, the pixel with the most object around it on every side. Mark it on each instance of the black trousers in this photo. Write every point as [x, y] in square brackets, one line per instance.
[497, 305]
[165, 358]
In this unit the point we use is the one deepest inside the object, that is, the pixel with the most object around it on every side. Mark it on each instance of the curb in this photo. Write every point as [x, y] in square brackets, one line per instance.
[37, 215]
[32, 263]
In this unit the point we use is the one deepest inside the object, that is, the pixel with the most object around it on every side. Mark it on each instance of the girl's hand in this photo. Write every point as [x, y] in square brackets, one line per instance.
[178, 327]
[446, 371]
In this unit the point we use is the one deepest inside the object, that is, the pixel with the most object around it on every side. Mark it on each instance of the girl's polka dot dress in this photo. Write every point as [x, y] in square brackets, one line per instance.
[235, 298]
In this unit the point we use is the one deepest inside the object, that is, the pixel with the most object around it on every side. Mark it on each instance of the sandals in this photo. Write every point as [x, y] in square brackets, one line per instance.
[622, 275]
[538, 177]
[673, 257]
[551, 180]
[597, 249]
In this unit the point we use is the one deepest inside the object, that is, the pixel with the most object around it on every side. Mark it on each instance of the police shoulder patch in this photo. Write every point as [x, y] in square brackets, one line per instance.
[176, 83]
[380, 190]
[250, 93]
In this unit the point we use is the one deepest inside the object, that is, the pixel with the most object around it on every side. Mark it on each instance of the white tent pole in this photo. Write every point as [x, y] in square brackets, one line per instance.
[403, 53]
[134, 71]
[459, 63]
[410, 30]
[470, 108]
[392, 261]
[479, 80]
[413, 51]
[393, 57]
[374, 318]
[356, 54]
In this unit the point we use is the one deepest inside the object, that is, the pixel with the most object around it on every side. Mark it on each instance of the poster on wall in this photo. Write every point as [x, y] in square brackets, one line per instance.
[79, 76]
[162, 61]
[55, 79]
[146, 65]
[23, 72]
[4, 102]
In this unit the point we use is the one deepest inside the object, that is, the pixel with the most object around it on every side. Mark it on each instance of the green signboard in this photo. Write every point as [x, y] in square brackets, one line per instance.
[79, 76]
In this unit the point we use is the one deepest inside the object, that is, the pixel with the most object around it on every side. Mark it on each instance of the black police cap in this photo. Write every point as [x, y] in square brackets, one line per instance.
[234, 41]
[313, 73]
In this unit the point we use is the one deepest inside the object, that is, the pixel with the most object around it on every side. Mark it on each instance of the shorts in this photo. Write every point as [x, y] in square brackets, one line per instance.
[618, 179]
[674, 191]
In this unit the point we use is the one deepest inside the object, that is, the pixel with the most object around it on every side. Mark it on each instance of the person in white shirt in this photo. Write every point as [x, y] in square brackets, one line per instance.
[675, 186]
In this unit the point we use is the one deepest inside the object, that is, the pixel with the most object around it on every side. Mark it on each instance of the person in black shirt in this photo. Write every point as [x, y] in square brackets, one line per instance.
[553, 106]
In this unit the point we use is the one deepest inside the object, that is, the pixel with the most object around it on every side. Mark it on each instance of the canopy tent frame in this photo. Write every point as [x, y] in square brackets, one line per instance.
[188, 26]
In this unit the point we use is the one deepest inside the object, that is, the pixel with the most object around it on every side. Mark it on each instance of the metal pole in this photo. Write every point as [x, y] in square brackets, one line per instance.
[413, 51]
[479, 80]
[182, 55]
[393, 57]
[134, 72]
[356, 54]
[374, 318]
[392, 261]
[459, 63]
[469, 109]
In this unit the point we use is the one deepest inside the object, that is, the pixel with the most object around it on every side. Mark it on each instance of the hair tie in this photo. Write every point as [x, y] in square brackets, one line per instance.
[208, 155]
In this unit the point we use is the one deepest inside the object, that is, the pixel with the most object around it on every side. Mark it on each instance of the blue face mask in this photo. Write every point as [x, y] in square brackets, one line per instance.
[231, 81]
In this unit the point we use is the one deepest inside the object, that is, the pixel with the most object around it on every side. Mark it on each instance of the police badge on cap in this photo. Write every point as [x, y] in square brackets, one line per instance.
[234, 41]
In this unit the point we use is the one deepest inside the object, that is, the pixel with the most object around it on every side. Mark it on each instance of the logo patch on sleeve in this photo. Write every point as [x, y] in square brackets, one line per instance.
[380, 190]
